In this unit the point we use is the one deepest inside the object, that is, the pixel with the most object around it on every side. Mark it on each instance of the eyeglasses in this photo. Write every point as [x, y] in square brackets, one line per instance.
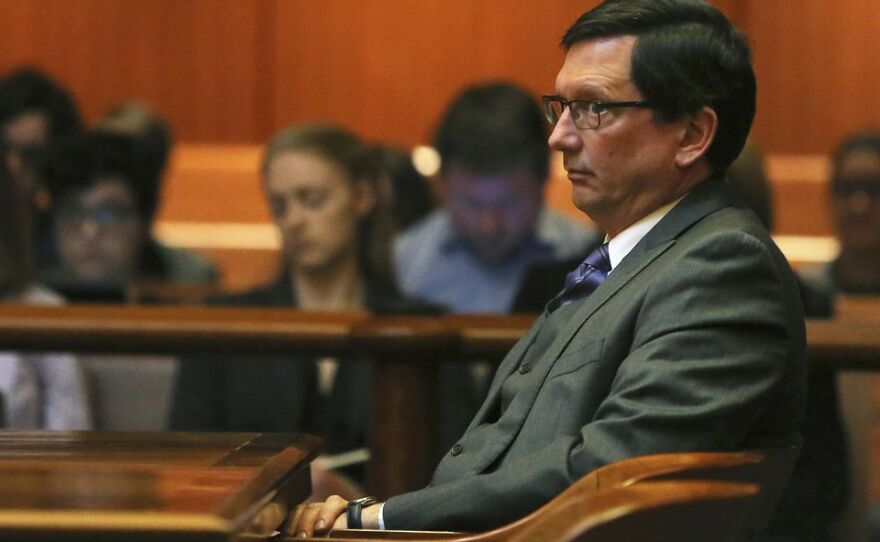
[586, 114]
[32, 155]
[104, 216]
[845, 188]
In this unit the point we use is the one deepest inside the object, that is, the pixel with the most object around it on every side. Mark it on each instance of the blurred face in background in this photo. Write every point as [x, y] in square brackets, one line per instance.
[24, 141]
[494, 213]
[99, 233]
[856, 201]
[317, 208]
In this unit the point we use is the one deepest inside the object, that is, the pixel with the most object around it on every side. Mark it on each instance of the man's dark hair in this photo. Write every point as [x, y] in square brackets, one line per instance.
[83, 161]
[28, 90]
[494, 128]
[16, 264]
[687, 55]
[152, 139]
[861, 141]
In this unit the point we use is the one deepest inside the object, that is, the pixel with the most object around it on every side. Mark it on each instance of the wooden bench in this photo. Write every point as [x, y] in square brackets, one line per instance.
[406, 351]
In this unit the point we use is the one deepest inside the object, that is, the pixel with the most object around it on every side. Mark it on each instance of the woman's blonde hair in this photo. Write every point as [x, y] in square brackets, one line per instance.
[361, 163]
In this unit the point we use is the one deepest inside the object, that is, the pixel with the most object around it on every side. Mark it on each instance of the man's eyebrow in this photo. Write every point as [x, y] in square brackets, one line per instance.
[586, 90]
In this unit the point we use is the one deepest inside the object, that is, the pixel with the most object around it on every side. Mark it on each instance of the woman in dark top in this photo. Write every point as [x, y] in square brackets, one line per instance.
[329, 201]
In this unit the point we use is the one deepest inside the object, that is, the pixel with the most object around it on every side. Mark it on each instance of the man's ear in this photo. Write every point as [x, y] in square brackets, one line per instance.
[698, 136]
[365, 197]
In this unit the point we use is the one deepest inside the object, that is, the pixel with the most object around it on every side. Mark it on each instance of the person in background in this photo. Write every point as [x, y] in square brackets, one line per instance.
[153, 141]
[818, 490]
[40, 390]
[103, 202]
[472, 254]
[36, 113]
[412, 196]
[855, 206]
[324, 188]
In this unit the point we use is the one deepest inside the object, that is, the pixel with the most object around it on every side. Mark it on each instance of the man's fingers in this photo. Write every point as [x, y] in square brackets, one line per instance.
[294, 523]
[317, 517]
[330, 512]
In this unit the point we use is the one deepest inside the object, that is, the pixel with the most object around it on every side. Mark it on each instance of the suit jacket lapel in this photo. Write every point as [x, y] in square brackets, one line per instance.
[706, 198]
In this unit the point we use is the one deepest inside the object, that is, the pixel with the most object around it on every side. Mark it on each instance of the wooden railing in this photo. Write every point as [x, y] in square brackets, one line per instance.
[406, 349]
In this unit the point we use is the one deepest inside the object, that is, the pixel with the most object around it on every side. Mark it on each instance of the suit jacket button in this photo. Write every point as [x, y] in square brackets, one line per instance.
[524, 368]
[457, 449]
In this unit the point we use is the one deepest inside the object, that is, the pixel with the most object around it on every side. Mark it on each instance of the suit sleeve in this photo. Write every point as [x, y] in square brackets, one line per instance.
[199, 401]
[708, 357]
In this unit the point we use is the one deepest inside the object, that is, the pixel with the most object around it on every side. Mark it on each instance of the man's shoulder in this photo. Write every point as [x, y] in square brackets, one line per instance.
[416, 249]
[570, 238]
[186, 266]
[433, 228]
[820, 278]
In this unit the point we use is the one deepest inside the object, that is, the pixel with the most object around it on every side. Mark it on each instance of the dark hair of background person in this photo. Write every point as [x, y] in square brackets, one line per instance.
[360, 162]
[28, 90]
[79, 163]
[747, 177]
[868, 140]
[152, 140]
[412, 196]
[494, 128]
[687, 56]
[16, 267]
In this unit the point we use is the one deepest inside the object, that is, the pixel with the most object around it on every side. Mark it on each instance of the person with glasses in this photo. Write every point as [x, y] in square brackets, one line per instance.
[103, 201]
[855, 206]
[683, 332]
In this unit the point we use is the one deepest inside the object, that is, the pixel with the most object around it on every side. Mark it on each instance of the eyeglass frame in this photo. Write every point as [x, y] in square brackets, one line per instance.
[553, 119]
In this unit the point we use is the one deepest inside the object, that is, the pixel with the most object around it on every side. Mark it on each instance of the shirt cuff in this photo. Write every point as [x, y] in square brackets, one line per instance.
[381, 518]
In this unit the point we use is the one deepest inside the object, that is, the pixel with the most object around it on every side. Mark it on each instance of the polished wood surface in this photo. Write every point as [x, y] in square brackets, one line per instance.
[767, 469]
[406, 350]
[851, 343]
[147, 486]
[170, 330]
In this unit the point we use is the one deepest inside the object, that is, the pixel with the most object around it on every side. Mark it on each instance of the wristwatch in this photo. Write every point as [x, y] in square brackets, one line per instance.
[353, 511]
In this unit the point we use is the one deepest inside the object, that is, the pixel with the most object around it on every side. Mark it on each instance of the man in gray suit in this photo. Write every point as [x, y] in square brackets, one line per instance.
[684, 332]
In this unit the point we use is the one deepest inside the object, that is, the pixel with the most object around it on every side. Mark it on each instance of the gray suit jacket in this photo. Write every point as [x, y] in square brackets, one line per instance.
[694, 342]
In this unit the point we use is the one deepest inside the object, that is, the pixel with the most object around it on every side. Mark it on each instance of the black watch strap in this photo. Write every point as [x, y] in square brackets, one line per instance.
[354, 509]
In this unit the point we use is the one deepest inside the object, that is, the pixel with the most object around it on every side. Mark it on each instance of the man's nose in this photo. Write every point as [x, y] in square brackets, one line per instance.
[564, 136]
[491, 223]
[293, 219]
[90, 228]
[858, 202]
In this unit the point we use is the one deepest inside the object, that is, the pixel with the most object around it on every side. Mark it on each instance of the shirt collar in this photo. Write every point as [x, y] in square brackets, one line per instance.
[625, 241]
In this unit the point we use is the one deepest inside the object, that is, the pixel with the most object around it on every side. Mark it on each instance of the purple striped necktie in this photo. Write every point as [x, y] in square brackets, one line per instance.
[586, 277]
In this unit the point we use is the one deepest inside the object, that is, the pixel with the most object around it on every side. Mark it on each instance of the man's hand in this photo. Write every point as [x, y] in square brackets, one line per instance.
[322, 517]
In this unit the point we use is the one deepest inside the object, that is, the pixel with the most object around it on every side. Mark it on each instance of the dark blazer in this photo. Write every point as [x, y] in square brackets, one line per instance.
[270, 392]
[694, 342]
[279, 393]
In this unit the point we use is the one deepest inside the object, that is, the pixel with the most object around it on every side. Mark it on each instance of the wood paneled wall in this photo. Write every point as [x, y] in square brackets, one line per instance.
[234, 71]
